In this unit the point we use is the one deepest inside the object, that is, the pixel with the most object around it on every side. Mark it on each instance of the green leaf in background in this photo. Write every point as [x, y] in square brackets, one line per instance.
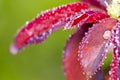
[37, 62]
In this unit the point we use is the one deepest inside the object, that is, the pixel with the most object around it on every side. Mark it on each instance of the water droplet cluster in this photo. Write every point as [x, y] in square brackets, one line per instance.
[115, 65]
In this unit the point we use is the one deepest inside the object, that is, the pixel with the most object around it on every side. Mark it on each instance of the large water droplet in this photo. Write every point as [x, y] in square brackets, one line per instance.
[107, 34]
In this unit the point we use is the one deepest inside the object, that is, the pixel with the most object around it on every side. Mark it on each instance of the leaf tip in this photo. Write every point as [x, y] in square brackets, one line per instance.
[13, 49]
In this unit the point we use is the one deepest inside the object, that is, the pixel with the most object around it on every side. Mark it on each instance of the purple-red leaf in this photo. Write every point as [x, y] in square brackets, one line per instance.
[38, 29]
[72, 67]
[115, 65]
[115, 68]
[93, 48]
[88, 16]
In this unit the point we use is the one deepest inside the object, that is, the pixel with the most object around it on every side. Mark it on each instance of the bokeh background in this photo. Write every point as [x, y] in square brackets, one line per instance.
[36, 62]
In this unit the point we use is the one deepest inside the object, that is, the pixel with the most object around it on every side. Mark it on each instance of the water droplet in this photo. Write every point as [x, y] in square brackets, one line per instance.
[27, 22]
[106, 50]
[117, 31]
[102, 54]
[113, 64]
[102, 63]
[110, 73]
[86, 33]
[84, 73]
[29, 32]
[99, 68]
[13, 49]
[90, 76]
[107, 34]
[105, 57]
[87, 42]
[116, 51]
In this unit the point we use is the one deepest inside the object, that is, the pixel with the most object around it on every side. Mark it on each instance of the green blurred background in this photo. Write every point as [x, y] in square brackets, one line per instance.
[36, 62]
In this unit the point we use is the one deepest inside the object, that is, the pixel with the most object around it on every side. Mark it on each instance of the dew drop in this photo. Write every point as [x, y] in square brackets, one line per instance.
[29, 32]
[116, 51]
[13, 49]
[27, 22]
[106, 50]
[113, 64]
[105, 57]
[90, 76]
[84, 73]
[99, 67]
[85, 65]
[86, 33]
[107, 34]
[102, 63]
[117, 31]
[87, 42]
[110, 73]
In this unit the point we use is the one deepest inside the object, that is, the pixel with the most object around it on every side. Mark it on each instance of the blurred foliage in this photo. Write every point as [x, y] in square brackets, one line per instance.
[36, 62]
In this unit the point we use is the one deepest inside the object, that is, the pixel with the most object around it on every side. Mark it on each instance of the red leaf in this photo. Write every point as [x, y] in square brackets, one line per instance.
[94, 45]
[38, 29]
[72, 67]
[88, 16]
